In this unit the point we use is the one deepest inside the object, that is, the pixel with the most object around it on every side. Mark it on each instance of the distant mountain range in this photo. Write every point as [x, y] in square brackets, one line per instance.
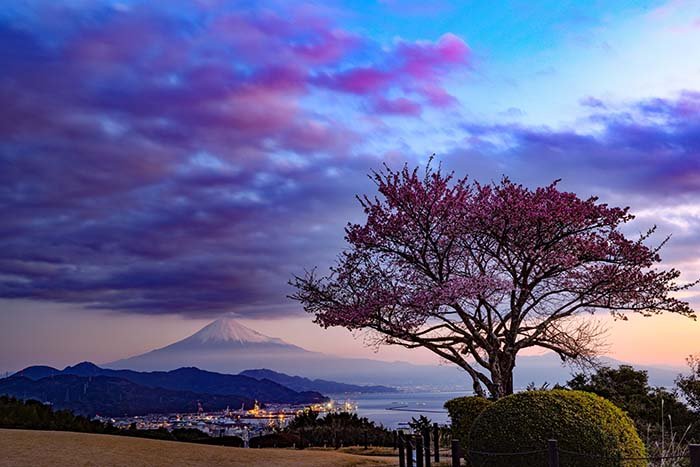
[87, 389]
[227, 346]
[113, 397]
[299, 383]
[186, 379]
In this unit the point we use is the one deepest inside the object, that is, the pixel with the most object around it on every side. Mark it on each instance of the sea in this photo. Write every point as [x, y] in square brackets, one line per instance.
[394, 410]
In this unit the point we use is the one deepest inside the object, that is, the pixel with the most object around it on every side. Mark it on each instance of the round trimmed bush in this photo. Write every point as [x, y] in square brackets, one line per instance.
[590, 430]
[463, 411]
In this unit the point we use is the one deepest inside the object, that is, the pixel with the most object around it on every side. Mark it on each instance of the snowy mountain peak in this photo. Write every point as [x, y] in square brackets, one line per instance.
[228, 329]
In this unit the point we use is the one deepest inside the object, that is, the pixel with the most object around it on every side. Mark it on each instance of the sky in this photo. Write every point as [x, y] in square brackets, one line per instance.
[163, 163]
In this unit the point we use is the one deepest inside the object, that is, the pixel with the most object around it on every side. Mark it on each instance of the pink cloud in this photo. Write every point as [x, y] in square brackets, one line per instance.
[359, 81]
[400, 106]
[272, 38]
[313, 135]
[410, 67]
[437, 96]
[331, 45]
[424, 60]
[283, 78]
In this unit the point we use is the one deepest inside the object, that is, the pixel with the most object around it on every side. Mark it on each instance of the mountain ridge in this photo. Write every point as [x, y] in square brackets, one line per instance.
[112, 397]
[186, 379]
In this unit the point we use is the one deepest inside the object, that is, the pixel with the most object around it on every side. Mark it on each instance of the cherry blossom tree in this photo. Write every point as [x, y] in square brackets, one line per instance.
[476, 273]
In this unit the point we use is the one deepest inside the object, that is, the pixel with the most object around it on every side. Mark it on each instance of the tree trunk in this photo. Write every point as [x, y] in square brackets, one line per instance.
[502, 376]
[478, 388]
[507, 382]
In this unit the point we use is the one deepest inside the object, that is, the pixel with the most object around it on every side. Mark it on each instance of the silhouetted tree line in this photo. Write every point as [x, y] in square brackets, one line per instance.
[33, 415]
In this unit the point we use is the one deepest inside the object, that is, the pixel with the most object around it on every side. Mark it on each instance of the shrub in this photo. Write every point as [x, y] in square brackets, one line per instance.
[337, 429]
[629, 389]
[463, 411]
[593, 430]
[275, 440]
[420, 424]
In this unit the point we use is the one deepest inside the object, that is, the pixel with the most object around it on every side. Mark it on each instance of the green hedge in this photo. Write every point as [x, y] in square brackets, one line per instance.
[581, 422]
[463, 411]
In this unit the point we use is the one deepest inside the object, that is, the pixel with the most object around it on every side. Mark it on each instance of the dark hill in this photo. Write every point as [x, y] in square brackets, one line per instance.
[111, 397]
[38, 372]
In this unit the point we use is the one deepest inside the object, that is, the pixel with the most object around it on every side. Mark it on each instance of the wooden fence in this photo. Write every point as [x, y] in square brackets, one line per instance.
[415, 451]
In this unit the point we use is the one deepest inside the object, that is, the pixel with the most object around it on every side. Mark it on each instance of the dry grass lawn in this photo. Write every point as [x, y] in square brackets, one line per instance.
[24, 448]
[370, 451]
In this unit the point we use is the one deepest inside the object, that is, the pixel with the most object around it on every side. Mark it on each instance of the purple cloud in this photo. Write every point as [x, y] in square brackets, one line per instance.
[164, 160]
[645, 155]
[592, 102]
[647, 149]
[400, 106]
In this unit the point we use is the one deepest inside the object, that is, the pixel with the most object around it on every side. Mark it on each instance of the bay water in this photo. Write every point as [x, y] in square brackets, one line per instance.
[394, 410]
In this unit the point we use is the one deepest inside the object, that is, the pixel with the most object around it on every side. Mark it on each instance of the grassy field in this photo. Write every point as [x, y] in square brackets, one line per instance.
[55, 448]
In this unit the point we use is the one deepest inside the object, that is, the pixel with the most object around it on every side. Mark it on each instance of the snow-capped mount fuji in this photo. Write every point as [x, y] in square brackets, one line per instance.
[223, 345]
[228, 331]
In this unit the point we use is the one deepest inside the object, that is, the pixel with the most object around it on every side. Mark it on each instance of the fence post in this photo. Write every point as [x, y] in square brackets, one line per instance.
[409, 452]
[436, 442]
[402, 453]
[694, 455]
[365, 442]
[419, 450]
[456, 453]
[426, 445]
[553, 453]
